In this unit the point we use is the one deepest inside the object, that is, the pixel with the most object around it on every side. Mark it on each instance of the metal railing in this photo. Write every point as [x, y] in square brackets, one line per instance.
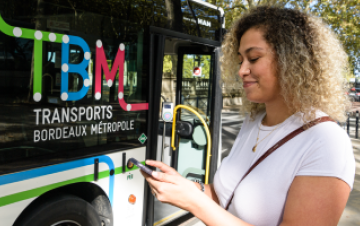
[199, 102]
[349, 123]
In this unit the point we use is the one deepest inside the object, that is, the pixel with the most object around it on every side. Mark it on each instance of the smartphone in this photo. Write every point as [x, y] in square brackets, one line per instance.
[141, 166]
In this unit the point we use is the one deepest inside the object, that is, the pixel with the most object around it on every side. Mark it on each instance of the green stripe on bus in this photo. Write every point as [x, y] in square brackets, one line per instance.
[6, 200]
[38, 50]
[17, 197]
[27, 33]
[118, 170]
[38, 37]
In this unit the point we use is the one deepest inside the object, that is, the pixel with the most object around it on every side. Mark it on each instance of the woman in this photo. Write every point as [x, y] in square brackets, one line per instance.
[292, 69]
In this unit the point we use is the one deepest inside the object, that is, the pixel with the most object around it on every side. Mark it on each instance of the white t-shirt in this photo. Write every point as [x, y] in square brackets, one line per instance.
[323, 150]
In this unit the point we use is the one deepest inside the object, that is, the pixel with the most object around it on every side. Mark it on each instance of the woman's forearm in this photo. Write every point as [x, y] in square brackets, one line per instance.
[211, 214]
[209, 191]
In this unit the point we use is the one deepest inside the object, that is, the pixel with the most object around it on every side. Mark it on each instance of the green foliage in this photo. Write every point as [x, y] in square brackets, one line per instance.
[188, 65]
[167, 64]
[343, 16]
[190, 61]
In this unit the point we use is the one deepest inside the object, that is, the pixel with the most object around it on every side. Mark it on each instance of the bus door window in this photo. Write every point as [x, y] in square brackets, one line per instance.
[186, 79]
[195, 92]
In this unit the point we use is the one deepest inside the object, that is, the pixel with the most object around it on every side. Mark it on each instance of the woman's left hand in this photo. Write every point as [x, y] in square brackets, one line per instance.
[170, 187]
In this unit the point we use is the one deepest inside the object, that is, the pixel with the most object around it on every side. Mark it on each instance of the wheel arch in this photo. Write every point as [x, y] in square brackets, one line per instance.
[90, 192]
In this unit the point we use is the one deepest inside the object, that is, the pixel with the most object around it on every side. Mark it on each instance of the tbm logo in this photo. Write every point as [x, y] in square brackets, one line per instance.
[66, 67]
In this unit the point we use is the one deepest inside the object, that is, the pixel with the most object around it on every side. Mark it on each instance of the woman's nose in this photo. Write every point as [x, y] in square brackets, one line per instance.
[244, 70]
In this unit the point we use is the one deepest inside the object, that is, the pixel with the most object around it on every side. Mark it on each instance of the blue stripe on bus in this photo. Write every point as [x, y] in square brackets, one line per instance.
[109, 162]
[26, 175]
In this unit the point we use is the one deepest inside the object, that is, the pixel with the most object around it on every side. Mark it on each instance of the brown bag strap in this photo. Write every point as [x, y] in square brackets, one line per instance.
[276, 146]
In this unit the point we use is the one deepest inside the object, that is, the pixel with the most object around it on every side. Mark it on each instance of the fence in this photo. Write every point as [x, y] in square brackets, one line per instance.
[350, 127]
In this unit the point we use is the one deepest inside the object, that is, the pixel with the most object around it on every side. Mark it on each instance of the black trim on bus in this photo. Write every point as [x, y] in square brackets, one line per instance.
[148, 211]
[156, 59]
[175, 153]
[96, 169]
[186, 37]
[124, 162]
[216, 106]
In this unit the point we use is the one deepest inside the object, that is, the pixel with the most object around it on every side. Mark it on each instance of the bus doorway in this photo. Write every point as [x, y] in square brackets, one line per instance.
[188, 77]
[80, 95]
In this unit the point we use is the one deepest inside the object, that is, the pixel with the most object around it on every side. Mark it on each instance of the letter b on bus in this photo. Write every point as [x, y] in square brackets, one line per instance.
[80, 68]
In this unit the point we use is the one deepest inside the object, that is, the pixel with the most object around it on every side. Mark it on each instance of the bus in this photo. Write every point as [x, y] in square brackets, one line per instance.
[88, 84]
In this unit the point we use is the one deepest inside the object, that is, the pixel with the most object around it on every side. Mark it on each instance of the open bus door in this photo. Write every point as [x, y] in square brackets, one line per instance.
[185, 72]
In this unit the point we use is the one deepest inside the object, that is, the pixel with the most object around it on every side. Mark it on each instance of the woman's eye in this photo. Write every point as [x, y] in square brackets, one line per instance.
[253, 60]
[240, 63]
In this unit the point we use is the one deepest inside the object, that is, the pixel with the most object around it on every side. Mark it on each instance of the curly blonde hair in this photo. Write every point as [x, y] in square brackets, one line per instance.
[311, 62]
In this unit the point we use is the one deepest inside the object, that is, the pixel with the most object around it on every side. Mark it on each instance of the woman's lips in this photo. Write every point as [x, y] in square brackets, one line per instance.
[247, 84]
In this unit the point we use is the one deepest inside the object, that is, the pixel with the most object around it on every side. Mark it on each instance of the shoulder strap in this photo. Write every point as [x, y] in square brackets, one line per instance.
[276, 146]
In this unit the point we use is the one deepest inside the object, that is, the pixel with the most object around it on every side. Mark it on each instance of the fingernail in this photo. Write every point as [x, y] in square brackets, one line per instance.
[155, 174]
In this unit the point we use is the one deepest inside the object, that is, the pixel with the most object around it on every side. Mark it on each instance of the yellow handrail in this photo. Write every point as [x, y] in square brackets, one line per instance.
[208, 154]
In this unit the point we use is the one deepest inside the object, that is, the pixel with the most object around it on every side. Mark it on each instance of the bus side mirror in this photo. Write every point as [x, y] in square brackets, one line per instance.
[184, 129]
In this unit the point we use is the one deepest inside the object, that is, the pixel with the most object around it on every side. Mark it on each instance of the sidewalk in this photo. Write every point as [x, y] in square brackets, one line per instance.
[231, 108]
[192, 222]
[351, 214]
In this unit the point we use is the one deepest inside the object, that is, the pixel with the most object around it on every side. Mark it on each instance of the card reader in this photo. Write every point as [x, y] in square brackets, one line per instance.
[167, 111]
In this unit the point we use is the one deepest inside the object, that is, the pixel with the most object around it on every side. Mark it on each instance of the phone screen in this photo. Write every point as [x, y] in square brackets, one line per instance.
[141, 166]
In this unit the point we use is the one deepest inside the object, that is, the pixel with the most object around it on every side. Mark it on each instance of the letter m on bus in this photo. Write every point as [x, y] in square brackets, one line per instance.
[101, 64]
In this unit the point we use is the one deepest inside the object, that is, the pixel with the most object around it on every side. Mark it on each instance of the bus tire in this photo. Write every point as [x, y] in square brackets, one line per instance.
[62, 210]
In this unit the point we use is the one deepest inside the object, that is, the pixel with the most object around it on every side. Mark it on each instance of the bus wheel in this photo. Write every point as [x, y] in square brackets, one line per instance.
[63, 210]
[66, 223]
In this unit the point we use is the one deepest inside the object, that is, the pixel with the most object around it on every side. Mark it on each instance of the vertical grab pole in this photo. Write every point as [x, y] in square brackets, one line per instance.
[173, 129]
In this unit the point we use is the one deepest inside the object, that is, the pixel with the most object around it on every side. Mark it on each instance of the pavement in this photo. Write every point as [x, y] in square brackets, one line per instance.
[192, 222]
[351, 214]
[231, 108]
[355, 107]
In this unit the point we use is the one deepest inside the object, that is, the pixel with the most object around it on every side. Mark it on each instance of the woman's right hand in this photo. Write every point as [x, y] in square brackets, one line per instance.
[209, 188]
[170, 187]
[162, 166]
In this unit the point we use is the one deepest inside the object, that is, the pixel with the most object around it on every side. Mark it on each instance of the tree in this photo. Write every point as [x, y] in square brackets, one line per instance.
[343, 16]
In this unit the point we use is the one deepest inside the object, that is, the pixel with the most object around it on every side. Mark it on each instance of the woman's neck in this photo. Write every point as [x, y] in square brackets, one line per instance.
[276, 113]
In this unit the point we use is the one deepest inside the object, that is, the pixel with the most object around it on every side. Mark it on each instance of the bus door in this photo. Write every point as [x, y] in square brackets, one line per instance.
[188, 77]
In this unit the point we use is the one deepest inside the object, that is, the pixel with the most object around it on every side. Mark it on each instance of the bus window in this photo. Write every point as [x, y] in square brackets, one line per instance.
[50, 129]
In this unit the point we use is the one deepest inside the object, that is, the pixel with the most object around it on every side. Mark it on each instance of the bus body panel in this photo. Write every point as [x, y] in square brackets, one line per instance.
[9, 213]
[36, 38]
[16, 196]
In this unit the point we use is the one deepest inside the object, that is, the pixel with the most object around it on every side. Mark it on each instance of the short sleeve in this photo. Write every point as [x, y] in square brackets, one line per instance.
[331, 154]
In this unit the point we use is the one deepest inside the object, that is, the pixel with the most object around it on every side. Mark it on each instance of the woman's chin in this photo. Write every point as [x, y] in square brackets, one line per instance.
[253, 99]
